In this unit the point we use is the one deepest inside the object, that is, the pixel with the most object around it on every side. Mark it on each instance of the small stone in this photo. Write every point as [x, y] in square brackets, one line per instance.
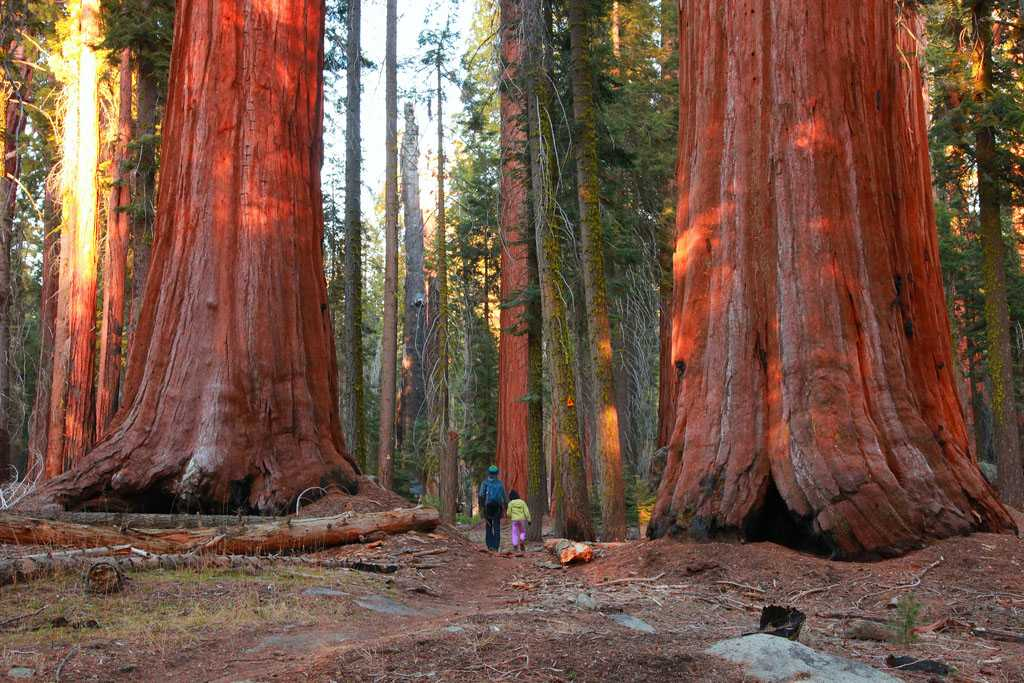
[455, 629]
[631, 622]
[860, 629]
[323, 591]
[586, 601]
[21, 672]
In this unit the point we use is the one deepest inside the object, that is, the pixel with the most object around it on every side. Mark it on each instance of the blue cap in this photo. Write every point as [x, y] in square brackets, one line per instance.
[493, 469]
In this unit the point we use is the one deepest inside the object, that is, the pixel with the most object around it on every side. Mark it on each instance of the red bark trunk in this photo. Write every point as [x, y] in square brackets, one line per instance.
[513, 341]
[115, 261]
[818, 405]
[230, 395]
[47, 321]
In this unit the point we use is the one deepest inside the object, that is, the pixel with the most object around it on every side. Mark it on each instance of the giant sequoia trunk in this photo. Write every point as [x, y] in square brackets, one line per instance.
[817, 405]
[513, 340]
[230, 395]
[70, 427]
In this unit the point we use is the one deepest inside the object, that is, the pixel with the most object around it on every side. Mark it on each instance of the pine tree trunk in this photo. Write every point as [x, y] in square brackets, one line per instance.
[389, 340]
[413, 328]
[997, 313]
[229, 400]
[115, 260]
[353, 236]
[817, 406]
[144, 194]
[39, 422]
[12, 117]
[448, 478]
[609, 452]
[571, 500]
[71, 429]
[513, 340]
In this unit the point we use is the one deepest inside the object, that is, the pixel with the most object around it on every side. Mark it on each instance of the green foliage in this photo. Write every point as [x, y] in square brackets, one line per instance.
[146, 27]
[905, 620]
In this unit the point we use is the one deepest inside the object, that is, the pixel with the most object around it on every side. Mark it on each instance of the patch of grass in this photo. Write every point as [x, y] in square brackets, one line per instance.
[908, 610]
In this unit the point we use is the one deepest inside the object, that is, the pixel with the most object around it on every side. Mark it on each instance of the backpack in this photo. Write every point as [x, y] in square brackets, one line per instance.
[493, 495]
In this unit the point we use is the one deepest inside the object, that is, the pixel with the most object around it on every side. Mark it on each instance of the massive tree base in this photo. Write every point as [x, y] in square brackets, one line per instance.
[816, 400]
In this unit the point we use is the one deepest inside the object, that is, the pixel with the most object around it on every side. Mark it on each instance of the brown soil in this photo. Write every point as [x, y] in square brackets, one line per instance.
[457, 613]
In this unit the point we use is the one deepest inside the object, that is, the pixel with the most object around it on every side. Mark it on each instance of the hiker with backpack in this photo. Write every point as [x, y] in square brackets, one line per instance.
[492, 501]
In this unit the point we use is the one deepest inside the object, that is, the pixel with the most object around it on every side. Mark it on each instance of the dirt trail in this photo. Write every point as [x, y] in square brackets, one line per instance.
[642, 611]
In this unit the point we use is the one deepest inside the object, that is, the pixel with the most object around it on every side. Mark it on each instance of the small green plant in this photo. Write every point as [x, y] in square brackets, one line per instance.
[908, 609]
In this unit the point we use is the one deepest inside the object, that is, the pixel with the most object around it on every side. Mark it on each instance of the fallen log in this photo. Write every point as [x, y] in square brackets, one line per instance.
[127, 559]
[569, 552]
[263, 538]
[143, 520]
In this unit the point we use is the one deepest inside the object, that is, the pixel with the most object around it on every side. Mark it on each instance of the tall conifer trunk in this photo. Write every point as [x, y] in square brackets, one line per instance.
[39, 421]
[817, 405]
[513, 339]
[229, 400]
[389, 339]
[599, 341]
[115, 260]
[71, 427]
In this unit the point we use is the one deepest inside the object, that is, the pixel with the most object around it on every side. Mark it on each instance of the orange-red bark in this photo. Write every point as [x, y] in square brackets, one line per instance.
[818, 405]
[513, 342]
[115, 261]
[230, 395]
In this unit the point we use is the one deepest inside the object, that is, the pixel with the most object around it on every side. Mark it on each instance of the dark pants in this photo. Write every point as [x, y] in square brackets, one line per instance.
[493, 533]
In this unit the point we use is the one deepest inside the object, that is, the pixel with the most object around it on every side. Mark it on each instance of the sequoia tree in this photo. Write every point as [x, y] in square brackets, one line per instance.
[513, 340]
[229, 399]
[816, 404]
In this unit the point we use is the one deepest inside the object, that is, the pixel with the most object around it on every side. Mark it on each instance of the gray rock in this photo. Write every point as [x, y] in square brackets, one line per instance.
[384, 605]
[629, 621]
[21, 672]
[770, 658]
[324, 591]
[586, 601]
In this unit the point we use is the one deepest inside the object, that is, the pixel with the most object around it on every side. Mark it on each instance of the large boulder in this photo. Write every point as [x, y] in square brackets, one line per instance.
[770, 658]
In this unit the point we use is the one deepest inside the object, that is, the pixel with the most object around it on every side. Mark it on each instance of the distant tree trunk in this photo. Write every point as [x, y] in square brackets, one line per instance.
[609, 452]
[144, 192]
[571, 499]
[354, 237]
[71, 430]
[389, 339]
[39, 422]
[447, 458]
[997, 311]
[818, 407]
[513, 340]
[229, 400]
[413, 327]
[12, 115]
[115, 260]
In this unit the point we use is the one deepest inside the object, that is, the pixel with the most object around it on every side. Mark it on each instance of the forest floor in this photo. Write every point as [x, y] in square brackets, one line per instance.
[641, 611]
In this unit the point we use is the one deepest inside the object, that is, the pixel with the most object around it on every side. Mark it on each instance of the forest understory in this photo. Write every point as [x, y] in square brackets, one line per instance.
[640, 611]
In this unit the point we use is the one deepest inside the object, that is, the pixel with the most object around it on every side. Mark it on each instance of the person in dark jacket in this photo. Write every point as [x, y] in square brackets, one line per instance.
[493, 500]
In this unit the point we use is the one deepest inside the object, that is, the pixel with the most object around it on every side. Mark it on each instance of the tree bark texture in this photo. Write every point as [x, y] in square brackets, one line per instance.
[513, 339]
[14, 89]
[599, 342]
[571, 501]
[389, 339]
[414, 331]
[1006, 431]
[115, 260]
[354, 237]
[817, 406]
[39, 422]
[229, 399]
[70, 430]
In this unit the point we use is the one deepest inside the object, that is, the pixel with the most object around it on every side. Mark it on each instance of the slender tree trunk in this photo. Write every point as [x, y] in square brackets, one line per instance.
[115, 260]
[609, 452]
[571, 498]
[71, 430]
[39, 422]
[353, 236]
[818, 407]
[447, 458]
[12, 116]
[413, 328]
[229, 400]
[144, 193]
[997, 312]
[386, 448]
[513, 339]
